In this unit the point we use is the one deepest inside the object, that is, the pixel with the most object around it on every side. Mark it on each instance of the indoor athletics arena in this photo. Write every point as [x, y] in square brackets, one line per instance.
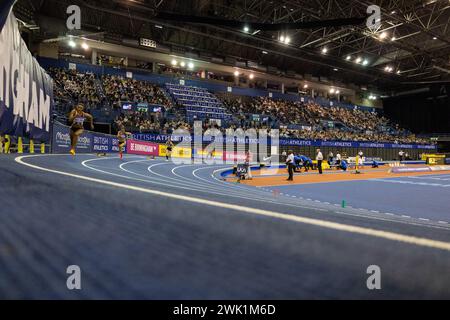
[224, 150]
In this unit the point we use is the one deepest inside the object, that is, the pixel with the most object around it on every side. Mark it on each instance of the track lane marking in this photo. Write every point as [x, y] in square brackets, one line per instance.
[163, 182]
[411, 182]
[387, 235]
[233, 187]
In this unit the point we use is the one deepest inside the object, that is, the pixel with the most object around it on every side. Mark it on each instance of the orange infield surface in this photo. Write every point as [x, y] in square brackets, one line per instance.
[277, 177]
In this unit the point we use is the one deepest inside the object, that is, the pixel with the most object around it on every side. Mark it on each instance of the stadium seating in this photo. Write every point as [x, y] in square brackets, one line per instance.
[313, 121]
[198, 103]
[119, 89]
[184, 104]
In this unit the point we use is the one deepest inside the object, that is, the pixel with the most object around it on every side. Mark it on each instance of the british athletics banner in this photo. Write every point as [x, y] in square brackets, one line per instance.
[352, 144]
[162, 138]
[61, 140]
[26, 90]
[104, 143]
[88, 142]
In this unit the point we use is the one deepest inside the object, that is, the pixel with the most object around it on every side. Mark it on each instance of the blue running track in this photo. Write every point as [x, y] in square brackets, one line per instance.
[420, 197]
[150, 229]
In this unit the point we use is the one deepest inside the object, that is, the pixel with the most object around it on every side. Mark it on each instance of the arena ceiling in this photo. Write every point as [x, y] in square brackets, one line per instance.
[410, 49]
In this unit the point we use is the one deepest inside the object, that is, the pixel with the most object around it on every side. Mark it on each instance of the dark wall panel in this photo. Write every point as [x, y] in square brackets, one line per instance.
[419, 113]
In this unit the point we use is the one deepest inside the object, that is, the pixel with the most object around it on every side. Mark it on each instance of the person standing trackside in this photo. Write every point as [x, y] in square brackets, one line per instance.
[319, 158]
[360, 159]
[400, 155]
[338, 159]
[283, 156]
[330, 158]
[290, 162]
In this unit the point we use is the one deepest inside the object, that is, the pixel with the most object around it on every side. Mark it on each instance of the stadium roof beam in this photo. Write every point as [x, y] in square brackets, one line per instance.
[374, 47]
[409, 23]
[313, 58]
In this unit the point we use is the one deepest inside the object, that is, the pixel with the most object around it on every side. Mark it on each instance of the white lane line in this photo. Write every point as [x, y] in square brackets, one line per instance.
[156, 181]
[429, 178]
[221, 185]
[214, 186]
[164, 183]
[150, 169]
[195, 186]
[149, 179]
[232, 186]
[400, 221]
[236, 193]
[423, 242]
[413, 183]
[184, 181]
[438, 175]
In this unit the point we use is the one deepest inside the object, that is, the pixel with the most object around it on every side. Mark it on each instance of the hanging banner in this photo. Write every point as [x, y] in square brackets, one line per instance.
[177, 152]
[104, 143]
[26, 90]
[142, 148]
[162, 138]
[5, 9]
[61, 140]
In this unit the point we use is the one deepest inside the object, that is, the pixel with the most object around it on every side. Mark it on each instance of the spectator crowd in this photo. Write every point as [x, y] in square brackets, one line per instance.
[118, 89]
[73, 87]
[348, 124]
[310, 120]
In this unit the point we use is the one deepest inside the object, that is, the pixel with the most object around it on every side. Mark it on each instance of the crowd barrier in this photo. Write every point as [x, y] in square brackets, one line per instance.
[20, 145]
[93, 142]
[154, 145]
[88, 142]
[434, 159]
[290, 142]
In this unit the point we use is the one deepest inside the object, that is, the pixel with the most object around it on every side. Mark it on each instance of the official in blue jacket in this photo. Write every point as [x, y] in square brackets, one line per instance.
[344, 165]
[297, 163]
[306, 162]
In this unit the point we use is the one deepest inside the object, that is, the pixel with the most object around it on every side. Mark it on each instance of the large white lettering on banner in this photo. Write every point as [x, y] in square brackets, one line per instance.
[26, 96]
